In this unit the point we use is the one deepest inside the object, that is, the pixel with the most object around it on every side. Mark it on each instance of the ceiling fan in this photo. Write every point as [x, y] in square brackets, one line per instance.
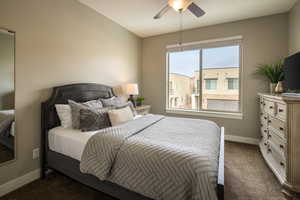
[180, 6]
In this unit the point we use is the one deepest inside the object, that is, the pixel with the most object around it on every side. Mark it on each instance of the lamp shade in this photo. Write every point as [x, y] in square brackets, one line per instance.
[180, 4]
[131, 89]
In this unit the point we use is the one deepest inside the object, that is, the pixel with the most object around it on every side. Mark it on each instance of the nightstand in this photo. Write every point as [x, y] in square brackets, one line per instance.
[143, 110]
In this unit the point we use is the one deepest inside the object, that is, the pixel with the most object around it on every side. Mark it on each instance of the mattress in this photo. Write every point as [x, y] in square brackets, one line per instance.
[70, 142]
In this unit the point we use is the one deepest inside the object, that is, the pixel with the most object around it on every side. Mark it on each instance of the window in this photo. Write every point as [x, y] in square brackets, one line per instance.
[233, 83]
[198, 77]
[181, 82]
[211, 84]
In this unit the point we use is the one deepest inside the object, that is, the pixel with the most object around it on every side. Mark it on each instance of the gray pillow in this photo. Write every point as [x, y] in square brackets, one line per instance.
[94, 119]
[76, 107]
[113, 101]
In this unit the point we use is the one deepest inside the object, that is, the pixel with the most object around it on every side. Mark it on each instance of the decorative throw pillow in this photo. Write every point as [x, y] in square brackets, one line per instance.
[113, 101]
[94, 119]
[120, 116]
[64, 115]
[129, 103]
[76, 107]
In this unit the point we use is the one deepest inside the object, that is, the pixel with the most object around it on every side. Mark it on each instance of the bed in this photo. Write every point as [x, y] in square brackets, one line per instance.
[60, 155]
[7, 124]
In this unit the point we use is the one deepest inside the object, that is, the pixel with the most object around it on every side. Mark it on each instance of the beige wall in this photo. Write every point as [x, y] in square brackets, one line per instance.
[265, 41]
[294, 29]
[6, 71]
[60, 42]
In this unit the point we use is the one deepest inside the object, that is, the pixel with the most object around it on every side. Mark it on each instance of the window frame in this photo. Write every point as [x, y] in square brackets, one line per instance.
[215, 43]
[233, 84]
[211, 79]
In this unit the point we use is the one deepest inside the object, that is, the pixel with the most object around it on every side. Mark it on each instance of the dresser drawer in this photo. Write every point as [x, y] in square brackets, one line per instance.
[264, 132]
[269, 107]
[261, 103]
[277, 143]
[264, 119]
[277, 125]
[281, 111]
[264, 146]
[277, 161]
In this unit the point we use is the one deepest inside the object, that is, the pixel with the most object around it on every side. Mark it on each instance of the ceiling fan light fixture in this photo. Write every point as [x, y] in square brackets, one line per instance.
[180, 5]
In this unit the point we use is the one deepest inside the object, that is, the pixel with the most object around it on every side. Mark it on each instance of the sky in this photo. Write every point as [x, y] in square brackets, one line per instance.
[187, 62]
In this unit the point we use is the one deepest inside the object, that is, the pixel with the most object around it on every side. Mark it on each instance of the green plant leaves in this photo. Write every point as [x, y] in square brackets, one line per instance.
[274, 72]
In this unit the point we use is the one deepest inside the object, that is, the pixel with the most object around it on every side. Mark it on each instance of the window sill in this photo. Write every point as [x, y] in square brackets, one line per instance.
[227, 115]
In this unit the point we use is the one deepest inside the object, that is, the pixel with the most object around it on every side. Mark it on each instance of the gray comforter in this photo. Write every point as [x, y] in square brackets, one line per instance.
[163, 158]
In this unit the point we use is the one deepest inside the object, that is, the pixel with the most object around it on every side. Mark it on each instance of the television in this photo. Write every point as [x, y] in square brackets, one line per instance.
[292, 73]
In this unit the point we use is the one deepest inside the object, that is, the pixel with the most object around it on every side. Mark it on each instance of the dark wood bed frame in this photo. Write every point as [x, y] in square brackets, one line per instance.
[70, 167]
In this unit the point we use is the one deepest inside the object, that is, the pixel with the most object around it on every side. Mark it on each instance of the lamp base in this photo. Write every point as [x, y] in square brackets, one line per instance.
[132, 100]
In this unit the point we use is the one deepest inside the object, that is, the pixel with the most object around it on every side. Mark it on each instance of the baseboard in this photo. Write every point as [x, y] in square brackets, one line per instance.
[246, 140]
[19, 182]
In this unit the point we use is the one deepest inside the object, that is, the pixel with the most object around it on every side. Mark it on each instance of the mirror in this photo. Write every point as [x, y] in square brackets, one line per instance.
[7, 96]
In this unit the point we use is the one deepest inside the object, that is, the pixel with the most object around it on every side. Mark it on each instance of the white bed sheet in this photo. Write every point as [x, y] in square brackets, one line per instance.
[70, 142]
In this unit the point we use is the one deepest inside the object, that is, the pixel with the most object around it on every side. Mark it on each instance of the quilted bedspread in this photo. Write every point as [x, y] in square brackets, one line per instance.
[163, 158]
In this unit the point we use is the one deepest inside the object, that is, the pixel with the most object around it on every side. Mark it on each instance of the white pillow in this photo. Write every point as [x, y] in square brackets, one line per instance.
[64, 114]
[120, 116]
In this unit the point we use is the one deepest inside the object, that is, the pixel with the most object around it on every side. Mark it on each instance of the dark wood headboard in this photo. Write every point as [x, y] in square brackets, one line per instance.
[77, 92]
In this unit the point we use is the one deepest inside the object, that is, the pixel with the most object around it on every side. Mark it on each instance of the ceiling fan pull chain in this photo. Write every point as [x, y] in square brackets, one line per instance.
[181, 29]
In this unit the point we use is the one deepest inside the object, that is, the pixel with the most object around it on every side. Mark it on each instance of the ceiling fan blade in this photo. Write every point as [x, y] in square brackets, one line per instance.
[162, 12]
[196, 10]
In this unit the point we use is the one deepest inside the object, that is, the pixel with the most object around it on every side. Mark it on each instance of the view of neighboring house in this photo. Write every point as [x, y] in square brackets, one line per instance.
[220, 89]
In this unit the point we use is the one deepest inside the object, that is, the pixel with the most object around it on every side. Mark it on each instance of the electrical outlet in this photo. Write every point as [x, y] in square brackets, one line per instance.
[35, 153]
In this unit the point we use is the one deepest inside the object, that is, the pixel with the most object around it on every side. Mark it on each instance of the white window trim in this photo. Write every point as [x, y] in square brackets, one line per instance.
[201, 45]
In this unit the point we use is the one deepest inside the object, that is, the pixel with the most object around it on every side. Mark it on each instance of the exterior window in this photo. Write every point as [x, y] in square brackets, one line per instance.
[233, 83]
[211, 84]
[198, 79]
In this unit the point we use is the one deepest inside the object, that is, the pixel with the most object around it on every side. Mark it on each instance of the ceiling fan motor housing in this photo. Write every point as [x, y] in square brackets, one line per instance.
[180, 5]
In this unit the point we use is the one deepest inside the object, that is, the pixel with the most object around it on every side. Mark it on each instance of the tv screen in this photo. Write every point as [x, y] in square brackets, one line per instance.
[292, 73]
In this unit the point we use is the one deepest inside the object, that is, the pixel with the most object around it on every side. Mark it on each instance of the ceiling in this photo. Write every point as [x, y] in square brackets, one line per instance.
[137, 15]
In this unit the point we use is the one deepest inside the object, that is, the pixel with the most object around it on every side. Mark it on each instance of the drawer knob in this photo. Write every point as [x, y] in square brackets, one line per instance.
[265, 118]
[265, 131]
[269, 150]
[271, 107]
[269, 121]
[280, 110]
[282, 164]
[281, 128]
[281, 146]
[269, 136]
[265, 144]
[264, 104]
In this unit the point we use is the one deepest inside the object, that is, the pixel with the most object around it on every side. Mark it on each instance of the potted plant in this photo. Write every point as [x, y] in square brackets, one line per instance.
[140, 101]
[274, 72]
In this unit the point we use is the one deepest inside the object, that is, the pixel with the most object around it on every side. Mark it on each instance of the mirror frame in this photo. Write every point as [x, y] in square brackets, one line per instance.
[2, 29]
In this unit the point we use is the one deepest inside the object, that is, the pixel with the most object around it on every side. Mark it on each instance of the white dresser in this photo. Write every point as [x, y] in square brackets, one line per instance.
[280, 140]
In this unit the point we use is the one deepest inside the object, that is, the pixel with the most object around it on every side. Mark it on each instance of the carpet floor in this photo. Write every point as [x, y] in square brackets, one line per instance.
[246, 177]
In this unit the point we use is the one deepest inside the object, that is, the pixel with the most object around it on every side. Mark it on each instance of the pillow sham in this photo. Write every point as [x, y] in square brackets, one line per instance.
[120, 116]
[76, 107]
[94, 119]
[64, 115]
[113, 101]
[129, 103]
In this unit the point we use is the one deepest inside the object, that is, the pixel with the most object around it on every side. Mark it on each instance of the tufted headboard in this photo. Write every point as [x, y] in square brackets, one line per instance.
[60, 95]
